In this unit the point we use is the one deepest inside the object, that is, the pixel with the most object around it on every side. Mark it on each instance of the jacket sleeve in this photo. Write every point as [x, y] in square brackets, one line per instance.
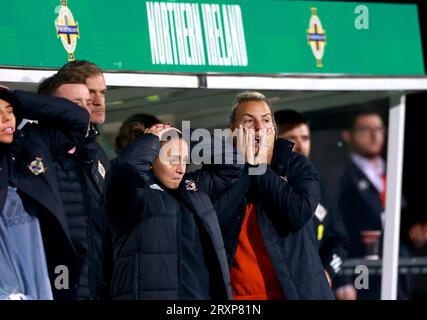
[141, 152]
[292, 195]
[126, 176]
[334, 248]
[225, 168]
[65, 124]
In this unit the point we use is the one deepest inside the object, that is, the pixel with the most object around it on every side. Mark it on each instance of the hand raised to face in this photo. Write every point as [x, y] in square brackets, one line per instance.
[255, 146]
[266, 138]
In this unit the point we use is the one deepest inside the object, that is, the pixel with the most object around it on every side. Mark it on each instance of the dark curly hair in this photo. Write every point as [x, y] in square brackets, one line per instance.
[131, 127]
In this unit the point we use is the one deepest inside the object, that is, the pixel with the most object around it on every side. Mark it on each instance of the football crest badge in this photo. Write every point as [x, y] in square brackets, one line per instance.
[190, 185]
[316, 37]
[67, 29]
[37, 166]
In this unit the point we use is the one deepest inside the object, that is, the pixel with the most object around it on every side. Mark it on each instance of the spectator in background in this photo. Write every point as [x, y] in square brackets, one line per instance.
[330, 230]
[92, 76]
[361, 197]
[95, 81]
[132, 126]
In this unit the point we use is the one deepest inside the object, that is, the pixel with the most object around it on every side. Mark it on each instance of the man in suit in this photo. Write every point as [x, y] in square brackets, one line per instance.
[361, 198]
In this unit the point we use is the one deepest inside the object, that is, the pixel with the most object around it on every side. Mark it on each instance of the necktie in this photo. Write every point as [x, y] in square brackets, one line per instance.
[383, 193]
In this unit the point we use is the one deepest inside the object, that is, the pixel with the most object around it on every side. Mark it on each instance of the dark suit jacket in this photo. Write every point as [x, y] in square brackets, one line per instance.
[360, 205]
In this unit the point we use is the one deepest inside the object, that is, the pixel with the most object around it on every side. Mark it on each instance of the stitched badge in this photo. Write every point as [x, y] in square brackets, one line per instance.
[190, 185]
[37, 166]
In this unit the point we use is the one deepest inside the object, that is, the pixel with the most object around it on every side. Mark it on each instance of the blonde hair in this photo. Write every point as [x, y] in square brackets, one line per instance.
[246, 96]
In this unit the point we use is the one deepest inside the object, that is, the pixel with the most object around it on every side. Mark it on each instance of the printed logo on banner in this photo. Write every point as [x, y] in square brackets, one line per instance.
[316, 36]
[193, 34]
[67, 29]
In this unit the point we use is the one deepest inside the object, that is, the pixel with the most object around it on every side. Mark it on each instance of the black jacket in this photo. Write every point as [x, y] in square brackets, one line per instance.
[95, 165]
[285, 202]
[81, 181]
[62, 125]
[146, 223]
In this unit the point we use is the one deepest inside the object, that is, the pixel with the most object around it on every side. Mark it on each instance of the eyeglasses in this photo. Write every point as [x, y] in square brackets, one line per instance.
[369, 130]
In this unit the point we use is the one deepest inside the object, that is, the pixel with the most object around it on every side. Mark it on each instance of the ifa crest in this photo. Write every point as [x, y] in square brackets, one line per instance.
[67, 29]
[316, 36]
[37, 166]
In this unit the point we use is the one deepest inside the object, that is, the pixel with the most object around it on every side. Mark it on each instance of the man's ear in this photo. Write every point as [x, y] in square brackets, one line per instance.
[346, 136]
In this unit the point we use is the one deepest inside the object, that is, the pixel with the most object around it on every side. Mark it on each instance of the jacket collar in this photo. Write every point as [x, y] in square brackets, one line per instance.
[374, 173]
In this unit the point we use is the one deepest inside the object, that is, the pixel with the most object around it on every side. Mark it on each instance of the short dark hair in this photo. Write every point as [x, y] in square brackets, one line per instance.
[289, 119]
[48, 86]
[131, 127]
[364, 113]
[81, 68]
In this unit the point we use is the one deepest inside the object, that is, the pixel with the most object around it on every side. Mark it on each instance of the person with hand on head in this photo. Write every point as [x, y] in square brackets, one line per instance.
[80, 176]
[94, 80]
[267, 228]
[28, 193]
[167, 240]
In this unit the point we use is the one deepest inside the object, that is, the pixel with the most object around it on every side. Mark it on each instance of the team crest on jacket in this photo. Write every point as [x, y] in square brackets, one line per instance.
[156, 187]
[37, 166]
[101, 169]
[190, 185]
[321, 212]
[67, 29]
[316, 37]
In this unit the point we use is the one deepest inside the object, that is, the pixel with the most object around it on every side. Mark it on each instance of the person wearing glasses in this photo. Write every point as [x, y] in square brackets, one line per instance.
[361, 198]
